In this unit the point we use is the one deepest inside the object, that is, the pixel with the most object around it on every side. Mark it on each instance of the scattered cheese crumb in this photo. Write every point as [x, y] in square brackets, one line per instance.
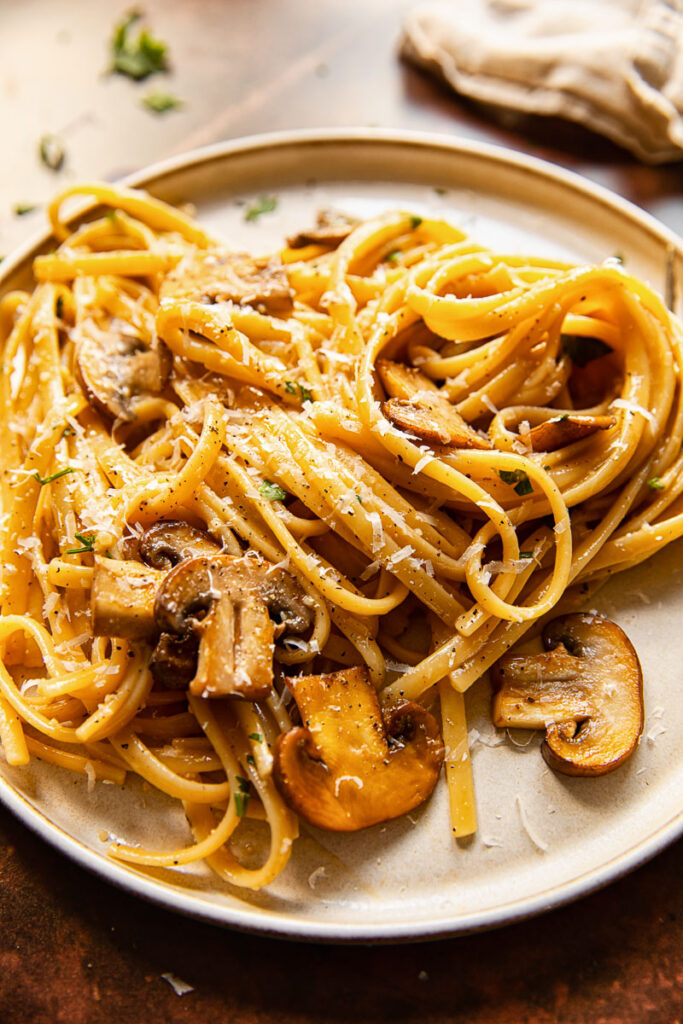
[179, 986]
[540, 843]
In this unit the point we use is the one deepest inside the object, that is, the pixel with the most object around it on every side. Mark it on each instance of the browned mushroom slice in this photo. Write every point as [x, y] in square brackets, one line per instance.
[331, 229]
[123, 595]
[174, 661]
[218, 276]
[352, 764]
[585, 690]
[401, 381]
[227, 603]
[563, 430]
[434, 421]
[169, 541]
[116, 368]
[418, 407]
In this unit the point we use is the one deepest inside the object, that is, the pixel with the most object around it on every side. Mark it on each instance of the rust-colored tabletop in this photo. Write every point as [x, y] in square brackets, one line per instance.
[74, 949]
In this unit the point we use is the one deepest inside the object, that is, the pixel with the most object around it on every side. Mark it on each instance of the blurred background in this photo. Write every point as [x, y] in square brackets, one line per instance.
[239, 67]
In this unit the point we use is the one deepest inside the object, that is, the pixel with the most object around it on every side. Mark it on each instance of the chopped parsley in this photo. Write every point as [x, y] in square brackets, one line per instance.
[250, 760]
[242, 797]
[160, 102]
[415, 222]
[392, 257]
[526, 554]
[67, 432]
[584, 349]
[42, 480]
[59, 308]
[19, 209]
[256, 736]
[266, 204]
[241, 801]
[271, 491]
[51, 152]
[137, 58]
[88, 542]
[359, 499]
[294, 388]
[517, 479]
[655, 484]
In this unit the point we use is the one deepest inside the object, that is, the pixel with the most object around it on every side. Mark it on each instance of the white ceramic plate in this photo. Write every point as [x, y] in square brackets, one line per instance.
[409, 878]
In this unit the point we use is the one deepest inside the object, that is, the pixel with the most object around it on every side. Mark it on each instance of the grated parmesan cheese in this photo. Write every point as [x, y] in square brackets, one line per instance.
[179, 986]
[626, 403]
[539, 843]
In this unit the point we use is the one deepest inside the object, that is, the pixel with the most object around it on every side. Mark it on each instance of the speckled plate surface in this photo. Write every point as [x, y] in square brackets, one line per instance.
[543, 839]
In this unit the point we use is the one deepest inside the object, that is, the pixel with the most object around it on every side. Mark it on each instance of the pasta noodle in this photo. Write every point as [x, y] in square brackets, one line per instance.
[298, 412]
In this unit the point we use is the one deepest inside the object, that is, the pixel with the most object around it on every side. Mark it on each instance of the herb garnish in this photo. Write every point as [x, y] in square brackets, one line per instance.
[19, 209]
[526, 554]
[250, 760]
[392, 257]
[518, 479]
[583, 349]
[160, 102]
[415, 222]
[242, 797]
[266, 204]
[136, 58]
[53, 476]
[51, 152]
[271, 491]
[256, 736]
[655, 484]
[59, 307]
[294, 388]
[88, 542]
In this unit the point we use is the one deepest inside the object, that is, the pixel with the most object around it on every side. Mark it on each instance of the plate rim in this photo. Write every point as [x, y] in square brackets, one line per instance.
[269, 922]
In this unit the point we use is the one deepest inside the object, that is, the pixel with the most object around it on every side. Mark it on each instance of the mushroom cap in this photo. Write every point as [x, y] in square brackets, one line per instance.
[351, 764]
[169, 541]
[585, 690]
[234, 605]
[115, 368]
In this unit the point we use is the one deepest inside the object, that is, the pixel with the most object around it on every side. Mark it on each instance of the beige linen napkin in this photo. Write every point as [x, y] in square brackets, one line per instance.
[613, 65]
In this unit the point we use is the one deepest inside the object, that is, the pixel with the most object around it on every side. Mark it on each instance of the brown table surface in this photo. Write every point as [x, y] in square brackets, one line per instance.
[71, 947]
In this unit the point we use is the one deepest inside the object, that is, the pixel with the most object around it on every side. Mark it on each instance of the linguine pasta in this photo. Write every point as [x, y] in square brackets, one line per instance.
[301, 416]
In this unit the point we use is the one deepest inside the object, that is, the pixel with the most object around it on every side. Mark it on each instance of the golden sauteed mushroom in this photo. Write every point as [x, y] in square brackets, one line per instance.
[585, 690]
[352, 764]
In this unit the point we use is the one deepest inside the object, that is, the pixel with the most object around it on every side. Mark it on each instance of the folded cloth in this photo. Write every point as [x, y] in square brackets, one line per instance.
[615, 66]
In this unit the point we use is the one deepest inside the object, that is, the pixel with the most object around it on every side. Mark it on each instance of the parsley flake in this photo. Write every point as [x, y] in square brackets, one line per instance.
[517, 479]
[526, 554]
[160, 102]
[88, 542]
[392, 257]
[51, 152]
[415, 222]
[241, 801]
[136, 58]
[250, 760]
[42, 480]
[266, 204]
[271, 491]
[294, 388]
[655, 484]
[256, 736]
[19, 209]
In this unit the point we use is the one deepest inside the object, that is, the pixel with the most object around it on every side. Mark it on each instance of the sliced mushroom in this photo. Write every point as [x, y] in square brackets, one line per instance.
[563, 430]
[169, 541]
[221, 276]
[227, 603]
[174, 661]
[585, 690]
[352, 764]
[331, 229]
[418, 407]
[122, 598]
[116, 369]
